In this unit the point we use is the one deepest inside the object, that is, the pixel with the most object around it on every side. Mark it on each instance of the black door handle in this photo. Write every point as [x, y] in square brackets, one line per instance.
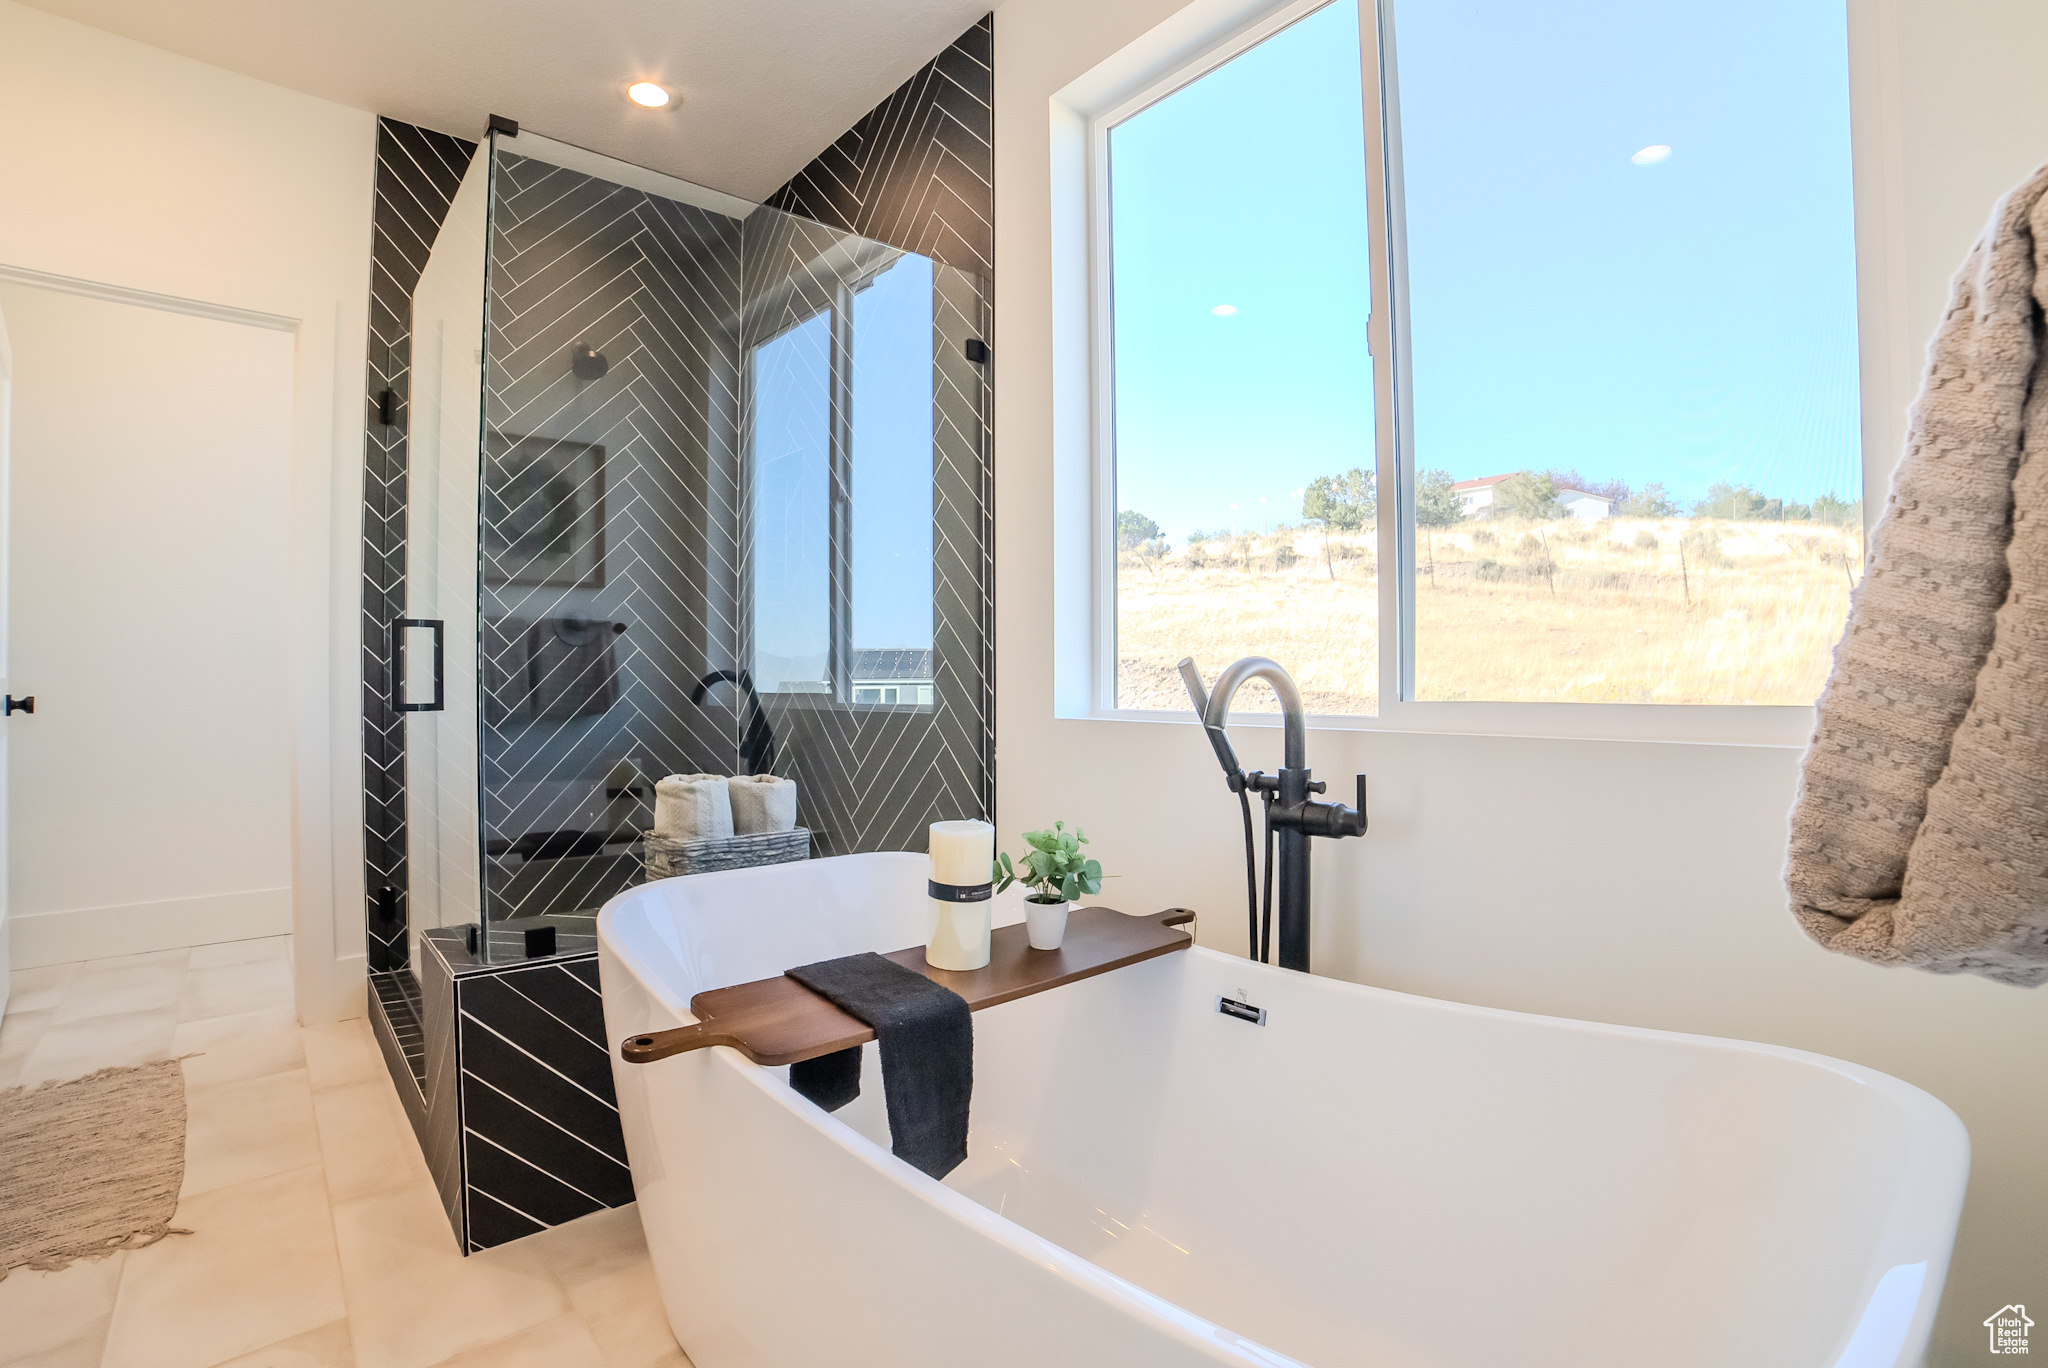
[398, 703]
[15, 705]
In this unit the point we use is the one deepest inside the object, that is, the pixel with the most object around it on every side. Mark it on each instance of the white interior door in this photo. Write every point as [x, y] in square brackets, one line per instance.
[148, 569]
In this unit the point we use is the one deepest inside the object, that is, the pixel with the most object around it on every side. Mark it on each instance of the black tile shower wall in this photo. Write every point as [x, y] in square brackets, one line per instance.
[617, 521]
[522, 1129]
[610, 507]
[417, 175]
[918, 171]
[511, 1075]
[873, 778]
[915, 173]
[441, 1136]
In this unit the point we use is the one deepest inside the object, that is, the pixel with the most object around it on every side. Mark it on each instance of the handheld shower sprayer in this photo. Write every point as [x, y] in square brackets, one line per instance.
[1226, 755]
[1292, 817]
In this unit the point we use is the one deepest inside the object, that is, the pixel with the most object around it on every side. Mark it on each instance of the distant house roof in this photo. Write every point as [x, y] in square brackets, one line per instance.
[1489, 481]
[892, 663]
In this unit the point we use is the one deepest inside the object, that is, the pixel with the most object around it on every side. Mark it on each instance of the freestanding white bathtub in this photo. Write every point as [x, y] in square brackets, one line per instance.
[1367, 1179]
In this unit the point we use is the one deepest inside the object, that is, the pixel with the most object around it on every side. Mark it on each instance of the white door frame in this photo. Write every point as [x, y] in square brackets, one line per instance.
[326, 565]
[6, 493]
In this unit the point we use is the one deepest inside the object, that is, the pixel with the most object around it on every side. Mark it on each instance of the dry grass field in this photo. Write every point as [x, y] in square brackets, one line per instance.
[1626, 610]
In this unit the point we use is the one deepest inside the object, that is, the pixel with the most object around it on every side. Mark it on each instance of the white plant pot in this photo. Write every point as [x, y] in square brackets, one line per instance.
[1046, 923]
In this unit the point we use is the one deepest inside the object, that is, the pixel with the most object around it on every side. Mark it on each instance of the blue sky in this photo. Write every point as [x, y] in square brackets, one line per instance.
[1680, 320]
[892, 458]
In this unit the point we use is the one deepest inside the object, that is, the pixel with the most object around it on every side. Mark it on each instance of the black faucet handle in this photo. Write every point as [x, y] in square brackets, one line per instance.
[1318, 786]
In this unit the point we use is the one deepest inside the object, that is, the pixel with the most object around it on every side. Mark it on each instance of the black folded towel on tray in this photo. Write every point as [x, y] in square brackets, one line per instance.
[926, 1035]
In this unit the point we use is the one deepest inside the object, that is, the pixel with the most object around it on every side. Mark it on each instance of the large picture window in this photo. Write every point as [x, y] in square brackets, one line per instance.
[1618, 459]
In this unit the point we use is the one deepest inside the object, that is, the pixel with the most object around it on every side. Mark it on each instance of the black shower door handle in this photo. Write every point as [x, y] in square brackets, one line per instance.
[438, 628]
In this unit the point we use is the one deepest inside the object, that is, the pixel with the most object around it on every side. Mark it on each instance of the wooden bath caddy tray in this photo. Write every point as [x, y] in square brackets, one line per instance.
[779, 1021]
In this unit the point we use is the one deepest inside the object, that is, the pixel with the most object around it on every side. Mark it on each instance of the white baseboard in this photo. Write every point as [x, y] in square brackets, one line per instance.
[135, 928]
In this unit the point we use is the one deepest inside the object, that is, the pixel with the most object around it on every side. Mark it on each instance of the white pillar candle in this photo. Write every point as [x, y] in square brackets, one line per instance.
[962, 854]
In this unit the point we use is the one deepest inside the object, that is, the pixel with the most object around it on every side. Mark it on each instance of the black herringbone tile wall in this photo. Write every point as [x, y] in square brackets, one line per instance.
[609, 524]
[873, 777]
[417, 174]
[918, 171]
[626, 338]
[620, 546]
[914, 173]
[540, 1122]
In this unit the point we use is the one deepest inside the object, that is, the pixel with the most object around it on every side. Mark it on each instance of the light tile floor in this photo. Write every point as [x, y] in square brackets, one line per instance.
[318, 1238]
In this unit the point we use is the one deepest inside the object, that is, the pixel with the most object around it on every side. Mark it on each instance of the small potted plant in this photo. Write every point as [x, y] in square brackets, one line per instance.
[1057, 873]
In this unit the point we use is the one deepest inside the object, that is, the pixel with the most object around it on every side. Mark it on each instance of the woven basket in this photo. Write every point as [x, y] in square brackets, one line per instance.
[665, 858]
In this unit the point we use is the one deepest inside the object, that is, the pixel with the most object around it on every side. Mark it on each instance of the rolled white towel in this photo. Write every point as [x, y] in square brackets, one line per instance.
[692, 807]
[762, 802]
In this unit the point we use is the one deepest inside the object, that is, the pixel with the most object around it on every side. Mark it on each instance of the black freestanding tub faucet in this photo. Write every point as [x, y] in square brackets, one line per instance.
[1291, 815]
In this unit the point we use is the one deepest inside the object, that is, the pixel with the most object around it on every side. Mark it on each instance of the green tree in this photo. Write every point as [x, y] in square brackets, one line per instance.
[1133, 529]
[1651, 501]
[1436, 503]
[1530, 494]
[1342, 503]
[1836, 512]
[1736, 502]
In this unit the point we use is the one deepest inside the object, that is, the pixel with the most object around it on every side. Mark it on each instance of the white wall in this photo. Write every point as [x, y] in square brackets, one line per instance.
[127, 165]
[1687, 928]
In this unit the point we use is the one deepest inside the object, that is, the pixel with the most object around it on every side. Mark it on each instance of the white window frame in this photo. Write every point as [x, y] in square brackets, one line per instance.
[1176, 56]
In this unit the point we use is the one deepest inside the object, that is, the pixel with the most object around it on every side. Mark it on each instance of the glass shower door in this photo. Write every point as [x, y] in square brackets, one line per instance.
[435, 645]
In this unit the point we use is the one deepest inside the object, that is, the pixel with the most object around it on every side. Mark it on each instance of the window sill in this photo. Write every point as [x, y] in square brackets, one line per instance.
[1672, 724]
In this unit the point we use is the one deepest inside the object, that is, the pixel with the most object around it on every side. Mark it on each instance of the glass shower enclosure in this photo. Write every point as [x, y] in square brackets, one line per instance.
[694, 485]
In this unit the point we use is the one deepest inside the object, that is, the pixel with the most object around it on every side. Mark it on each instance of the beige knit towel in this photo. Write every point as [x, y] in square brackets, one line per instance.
[1920, 833]
[761, 802]
[692, 807]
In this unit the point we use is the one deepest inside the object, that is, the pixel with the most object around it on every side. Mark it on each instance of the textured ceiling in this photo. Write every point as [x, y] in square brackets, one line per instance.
[762, 85]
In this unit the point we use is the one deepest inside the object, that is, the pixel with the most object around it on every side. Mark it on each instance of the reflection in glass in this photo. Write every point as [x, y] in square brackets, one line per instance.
[892, 486]
[792, 457]
[842, 486]
[441, 763]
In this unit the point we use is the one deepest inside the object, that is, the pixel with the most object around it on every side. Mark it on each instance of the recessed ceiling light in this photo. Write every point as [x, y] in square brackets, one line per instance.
[647, 94]
[1651, 155]
[1224, 310]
